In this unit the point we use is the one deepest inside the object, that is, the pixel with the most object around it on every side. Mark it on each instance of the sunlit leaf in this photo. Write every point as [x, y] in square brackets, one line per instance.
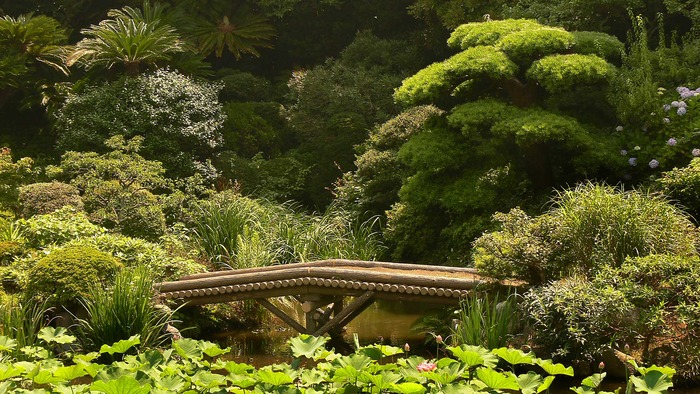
[306, 345]
[514, 356]
[273, 378]
[7, 344]
[121, 346]
[529, 382]
[188, 348]
[554, 369]
[56, 334]
[123, 385]
[653, 382]
[212, 349]
[497, 380]
[409, 388]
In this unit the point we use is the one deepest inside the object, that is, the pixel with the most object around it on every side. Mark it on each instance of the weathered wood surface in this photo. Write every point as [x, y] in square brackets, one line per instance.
[339, 277]
[326, 282]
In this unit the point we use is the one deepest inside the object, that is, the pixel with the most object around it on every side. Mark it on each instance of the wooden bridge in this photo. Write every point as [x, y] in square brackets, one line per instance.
[322, 286]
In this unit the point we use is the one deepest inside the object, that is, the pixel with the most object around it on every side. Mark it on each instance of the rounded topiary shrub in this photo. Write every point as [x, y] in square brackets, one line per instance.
[43, 198]
[10, 250]
[67, 274]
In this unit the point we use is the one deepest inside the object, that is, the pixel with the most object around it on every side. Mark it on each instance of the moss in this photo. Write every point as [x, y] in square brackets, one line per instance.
[69, 272]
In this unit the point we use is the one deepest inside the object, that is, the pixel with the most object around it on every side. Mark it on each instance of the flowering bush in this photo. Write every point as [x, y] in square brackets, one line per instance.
[670, 140]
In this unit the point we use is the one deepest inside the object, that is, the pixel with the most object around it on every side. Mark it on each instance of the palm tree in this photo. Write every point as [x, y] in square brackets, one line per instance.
[222, 26]
[28, 43]
[130, 38]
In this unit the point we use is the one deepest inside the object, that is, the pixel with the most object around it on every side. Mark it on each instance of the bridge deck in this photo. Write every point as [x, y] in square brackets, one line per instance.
[322, 285]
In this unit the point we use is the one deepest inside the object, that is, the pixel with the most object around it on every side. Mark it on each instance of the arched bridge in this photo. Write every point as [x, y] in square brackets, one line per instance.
[322, 286]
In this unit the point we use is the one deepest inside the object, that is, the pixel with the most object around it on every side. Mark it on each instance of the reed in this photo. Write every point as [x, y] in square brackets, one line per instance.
[125, 309]
[22, 320]
[487, 321]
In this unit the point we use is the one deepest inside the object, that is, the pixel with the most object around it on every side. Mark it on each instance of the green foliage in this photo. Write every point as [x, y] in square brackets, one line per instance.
[562, 72]
[9, 250]
[240, 233]
[33, 51]
[240, 32]
[127, 41]
[179, 118]
[197, 367]
[278, 179]
[335, 104]
[575, 320]
[438, 79]
[374, 186]
[587, 228]
[21, 320]
[683, 185]
[240, 86]
[525, 46]
[487, 321]
[134, 252]
[117, 187]
[124, 309]
[660, 289]
[57, 228]
[505, 142]
[43, 198]
[246, 131]
[478, 33]
[66, 274]
[634, 90]
[598, 43]
[13, 174]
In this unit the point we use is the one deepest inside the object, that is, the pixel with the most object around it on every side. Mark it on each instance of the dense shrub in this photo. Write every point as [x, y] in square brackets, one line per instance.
[374, 186]
[57, 227]
[179, 118]
[133, 252]
[68, 273]
[117, 186]
[575, 320]
[683, 185]
[242, 86]
[9, 250]
[587, 228]
[518, 100]
[43, 198]
[13, 174]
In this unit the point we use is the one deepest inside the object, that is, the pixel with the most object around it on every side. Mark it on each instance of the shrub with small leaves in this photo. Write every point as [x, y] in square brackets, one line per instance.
[68, 273]
[43, 198]
[57, 228]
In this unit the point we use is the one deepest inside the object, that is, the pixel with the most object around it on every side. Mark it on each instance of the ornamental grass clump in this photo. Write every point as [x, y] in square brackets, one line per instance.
[123, 309]
[587, 228]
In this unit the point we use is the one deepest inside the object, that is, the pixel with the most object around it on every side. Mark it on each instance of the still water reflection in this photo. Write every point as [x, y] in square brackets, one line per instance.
[388, 322]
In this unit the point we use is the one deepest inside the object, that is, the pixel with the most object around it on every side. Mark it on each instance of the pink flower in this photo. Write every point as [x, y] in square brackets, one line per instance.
[426, 366]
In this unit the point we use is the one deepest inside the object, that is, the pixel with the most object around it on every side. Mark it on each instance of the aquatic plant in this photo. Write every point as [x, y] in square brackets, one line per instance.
[194, 366]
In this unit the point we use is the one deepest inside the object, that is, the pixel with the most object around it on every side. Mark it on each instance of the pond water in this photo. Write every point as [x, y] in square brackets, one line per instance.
[386, 322]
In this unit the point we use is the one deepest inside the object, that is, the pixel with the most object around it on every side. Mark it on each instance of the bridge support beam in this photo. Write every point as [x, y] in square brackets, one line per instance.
[320, 320]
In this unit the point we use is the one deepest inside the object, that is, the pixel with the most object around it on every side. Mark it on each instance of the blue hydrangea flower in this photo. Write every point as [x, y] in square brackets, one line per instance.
[696, 152]
[667, 120]
[682, 111]
[667, 107]
[632, 161]
[619, 128]
[671, 142]
[654, 163]
[675, 104]
[623, 152]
